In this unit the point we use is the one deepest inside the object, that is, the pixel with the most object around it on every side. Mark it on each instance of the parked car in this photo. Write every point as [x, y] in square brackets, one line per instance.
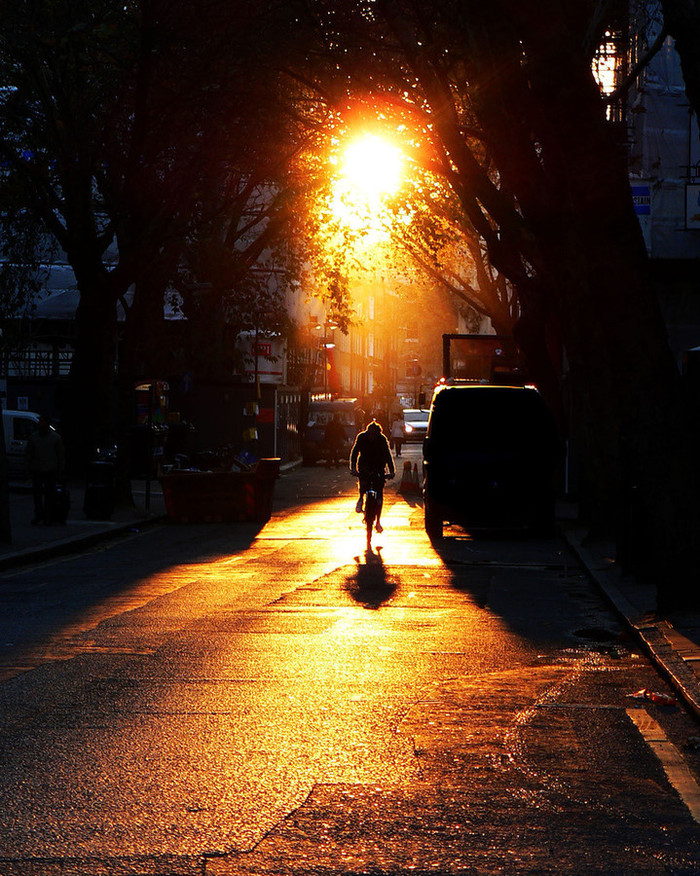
[490, 458]
[18, 426]
[416, 420]
[349, 412]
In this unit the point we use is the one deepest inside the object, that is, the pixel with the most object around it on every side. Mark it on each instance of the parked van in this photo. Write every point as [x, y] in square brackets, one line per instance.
[349, 412]
[490, 458]
[18, 426]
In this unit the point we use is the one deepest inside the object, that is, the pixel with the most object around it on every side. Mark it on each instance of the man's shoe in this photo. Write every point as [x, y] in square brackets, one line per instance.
[358, 507]
[379, 527]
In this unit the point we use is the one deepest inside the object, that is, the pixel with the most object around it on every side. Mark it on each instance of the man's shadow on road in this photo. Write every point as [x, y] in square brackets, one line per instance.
[370, 585]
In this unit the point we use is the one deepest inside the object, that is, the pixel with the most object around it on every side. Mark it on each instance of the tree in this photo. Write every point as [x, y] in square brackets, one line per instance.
[440, 241]
[427, 219]
[233, 275]
[47, 144]
[519, 127]
[118, 120]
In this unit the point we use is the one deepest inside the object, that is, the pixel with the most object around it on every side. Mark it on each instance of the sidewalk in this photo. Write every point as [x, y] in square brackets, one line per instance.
[672, 642]
[31, 543]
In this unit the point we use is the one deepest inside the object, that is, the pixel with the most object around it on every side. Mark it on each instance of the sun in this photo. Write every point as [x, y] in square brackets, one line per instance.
[372, 166]
[368, 171]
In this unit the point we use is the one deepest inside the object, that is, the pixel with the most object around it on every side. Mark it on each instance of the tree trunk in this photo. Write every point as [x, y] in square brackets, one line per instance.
[145, 356]
[88, 406]
[537, 337]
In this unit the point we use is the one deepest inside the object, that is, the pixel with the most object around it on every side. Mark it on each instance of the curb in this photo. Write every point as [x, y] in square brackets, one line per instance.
[73, 544]
[649, 634]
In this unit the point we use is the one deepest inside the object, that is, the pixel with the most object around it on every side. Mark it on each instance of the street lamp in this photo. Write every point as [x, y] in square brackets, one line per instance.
[326, 343]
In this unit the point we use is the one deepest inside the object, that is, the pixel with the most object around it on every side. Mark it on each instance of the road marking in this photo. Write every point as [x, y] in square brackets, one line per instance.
[591, 706]
[671, 760]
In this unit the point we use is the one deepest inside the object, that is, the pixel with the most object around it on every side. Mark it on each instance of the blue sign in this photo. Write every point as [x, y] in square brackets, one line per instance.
[641, 198]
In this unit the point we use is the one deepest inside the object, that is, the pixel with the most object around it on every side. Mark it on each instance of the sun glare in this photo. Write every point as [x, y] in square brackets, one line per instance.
[369, 170]
[372, 166]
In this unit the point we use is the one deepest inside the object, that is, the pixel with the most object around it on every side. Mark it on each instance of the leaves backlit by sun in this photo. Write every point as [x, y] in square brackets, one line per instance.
[370, 171]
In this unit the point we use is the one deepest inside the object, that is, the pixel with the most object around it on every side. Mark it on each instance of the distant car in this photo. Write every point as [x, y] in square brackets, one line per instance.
[348, 410]
[490, 458]
[416, 421]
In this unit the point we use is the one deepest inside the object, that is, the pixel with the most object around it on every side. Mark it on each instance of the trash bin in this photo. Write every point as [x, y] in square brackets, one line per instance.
[100, 490]
[221, 497]
[266, 473]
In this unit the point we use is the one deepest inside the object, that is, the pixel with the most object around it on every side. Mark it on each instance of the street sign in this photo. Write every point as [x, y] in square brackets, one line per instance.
[641, 197]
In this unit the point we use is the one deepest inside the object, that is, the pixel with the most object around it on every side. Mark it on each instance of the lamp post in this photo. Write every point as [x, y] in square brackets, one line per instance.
[327, 343]
[150, 389]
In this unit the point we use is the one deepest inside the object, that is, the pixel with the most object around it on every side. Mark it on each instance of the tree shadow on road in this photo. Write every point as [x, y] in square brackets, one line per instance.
[370, 585]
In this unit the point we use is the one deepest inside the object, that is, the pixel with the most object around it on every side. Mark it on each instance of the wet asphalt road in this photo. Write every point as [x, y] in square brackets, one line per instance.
[220, 700]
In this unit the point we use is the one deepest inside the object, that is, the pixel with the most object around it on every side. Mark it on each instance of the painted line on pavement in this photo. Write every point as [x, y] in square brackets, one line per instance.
[671, 760]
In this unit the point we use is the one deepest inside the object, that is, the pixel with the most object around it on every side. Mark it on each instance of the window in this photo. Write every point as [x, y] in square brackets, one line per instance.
[39, 360]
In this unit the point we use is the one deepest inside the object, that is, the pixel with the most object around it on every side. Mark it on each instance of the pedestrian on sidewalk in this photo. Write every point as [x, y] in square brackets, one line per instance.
[333, 440]
[46, 461]
[398, 431]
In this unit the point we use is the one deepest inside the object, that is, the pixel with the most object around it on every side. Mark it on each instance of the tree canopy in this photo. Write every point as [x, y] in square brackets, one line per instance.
[133, 128]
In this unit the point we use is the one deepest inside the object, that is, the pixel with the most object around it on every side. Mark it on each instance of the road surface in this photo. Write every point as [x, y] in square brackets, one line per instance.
[224, 700]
